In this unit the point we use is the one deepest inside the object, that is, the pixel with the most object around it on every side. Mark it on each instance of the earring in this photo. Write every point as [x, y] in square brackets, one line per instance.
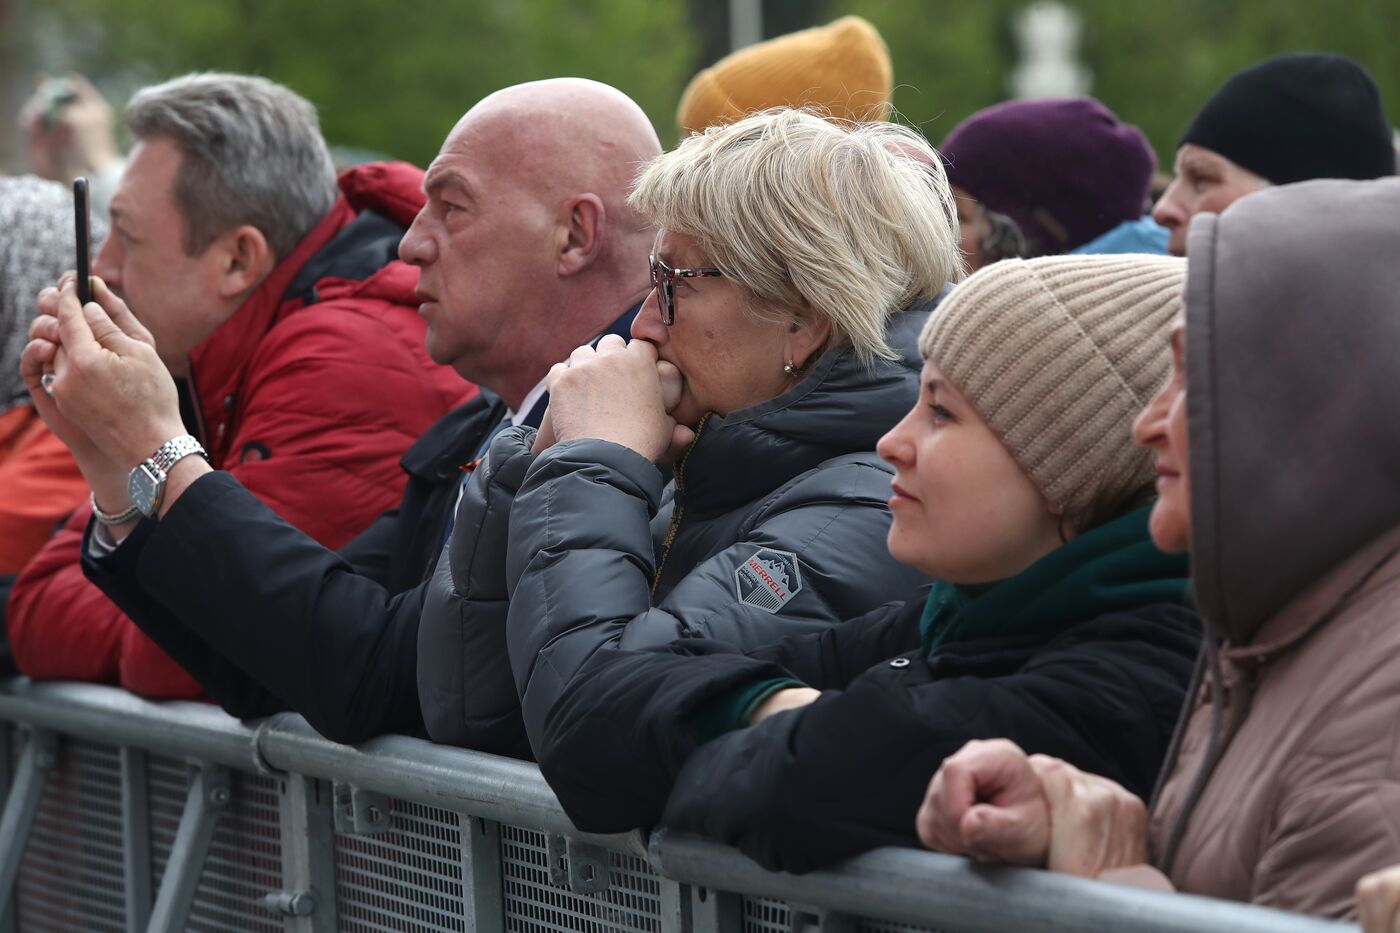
[788, 368]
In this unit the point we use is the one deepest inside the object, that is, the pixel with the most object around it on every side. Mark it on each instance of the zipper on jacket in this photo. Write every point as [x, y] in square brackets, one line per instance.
[199, 429]
[678, 512]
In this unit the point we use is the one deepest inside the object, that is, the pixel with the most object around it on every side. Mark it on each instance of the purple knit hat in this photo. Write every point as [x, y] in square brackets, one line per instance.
[1066, 170]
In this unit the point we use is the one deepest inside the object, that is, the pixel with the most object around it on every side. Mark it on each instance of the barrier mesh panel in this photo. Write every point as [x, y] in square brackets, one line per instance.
[409, 878]
[881, 926]
[765, 915]
[632, 901]
[245, 860]
[71, 877]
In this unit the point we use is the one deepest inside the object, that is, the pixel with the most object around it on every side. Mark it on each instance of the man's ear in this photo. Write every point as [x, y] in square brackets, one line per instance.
[582, 219]
[244, 260]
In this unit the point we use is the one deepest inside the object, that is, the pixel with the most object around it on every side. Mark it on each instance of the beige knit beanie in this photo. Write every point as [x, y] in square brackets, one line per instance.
[843, 67]
[1059, 354]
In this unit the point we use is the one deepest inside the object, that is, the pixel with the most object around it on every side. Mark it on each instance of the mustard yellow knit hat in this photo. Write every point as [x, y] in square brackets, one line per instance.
[1058, 355]
[843, 67]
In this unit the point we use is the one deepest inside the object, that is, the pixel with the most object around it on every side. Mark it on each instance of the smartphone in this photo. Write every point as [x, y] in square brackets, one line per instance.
[81, 226]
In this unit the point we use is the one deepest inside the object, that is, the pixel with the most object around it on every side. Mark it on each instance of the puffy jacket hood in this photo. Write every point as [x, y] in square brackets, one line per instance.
[1293, 374]
[841, 407]
[393, 189]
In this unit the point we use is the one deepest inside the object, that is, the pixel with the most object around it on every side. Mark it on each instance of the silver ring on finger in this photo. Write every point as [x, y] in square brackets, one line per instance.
[46, 382]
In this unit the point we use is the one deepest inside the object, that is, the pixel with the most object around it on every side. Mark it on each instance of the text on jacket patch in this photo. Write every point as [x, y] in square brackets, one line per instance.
[768, 579]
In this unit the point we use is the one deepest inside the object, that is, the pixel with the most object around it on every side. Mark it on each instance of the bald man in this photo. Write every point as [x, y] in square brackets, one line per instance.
[526, 249]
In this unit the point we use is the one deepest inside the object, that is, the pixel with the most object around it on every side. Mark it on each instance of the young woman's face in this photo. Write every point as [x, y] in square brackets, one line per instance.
[963, 510]
[1162, 428]
[728, 359]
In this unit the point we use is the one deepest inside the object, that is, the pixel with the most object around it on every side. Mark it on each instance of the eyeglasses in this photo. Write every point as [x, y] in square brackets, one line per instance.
[663, 279]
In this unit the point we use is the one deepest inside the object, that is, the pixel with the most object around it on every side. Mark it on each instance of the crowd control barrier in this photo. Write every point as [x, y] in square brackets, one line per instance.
[123, 815]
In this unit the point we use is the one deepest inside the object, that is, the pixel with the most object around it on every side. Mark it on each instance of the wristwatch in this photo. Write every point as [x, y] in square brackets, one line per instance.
[146, 485]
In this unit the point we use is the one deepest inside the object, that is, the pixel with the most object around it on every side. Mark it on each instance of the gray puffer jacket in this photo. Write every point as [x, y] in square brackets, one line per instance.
[775, 524]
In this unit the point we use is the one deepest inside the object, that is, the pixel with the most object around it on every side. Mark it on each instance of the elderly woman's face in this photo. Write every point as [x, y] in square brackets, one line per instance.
[962, 508]
[1162, 427]
[1206, 182]
[727, 358]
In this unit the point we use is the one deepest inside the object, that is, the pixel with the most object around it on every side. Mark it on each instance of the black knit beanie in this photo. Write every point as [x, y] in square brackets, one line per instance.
[1298, 116]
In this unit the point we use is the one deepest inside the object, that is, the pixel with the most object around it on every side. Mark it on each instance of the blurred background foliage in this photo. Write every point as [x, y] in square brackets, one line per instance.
[393, 77]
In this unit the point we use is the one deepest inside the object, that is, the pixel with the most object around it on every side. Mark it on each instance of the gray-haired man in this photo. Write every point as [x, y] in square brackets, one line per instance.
[271, 294]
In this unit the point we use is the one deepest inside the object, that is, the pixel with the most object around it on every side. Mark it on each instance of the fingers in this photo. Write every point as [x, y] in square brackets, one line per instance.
[75, 332]
[1018, 835]
[83, 87]
[672, 385]
[35, 359]
[1378, 897]
[644, 349]
[992, 775]
[1096, 824]
[611, 343]
[682, 436]
[118, 311]
[45, 327]
[47, 302]
[104, 330]
[934, 823]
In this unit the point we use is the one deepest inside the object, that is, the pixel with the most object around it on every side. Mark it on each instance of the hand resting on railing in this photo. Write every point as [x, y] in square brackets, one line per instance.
[995, 803]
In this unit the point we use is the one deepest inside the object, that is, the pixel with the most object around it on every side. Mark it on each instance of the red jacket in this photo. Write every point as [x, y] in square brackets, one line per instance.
[39, 485]
[309, 405]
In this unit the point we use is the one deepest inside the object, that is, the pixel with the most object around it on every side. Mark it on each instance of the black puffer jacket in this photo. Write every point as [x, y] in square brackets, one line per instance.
[806, 788]
[775, 524]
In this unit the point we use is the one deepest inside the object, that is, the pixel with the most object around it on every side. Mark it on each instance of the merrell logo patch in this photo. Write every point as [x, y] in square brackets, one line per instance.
[768, 579]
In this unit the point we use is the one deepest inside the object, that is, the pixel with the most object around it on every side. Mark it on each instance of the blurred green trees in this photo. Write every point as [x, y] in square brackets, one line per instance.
[387, 76]
[393, 77]
[1154, 62]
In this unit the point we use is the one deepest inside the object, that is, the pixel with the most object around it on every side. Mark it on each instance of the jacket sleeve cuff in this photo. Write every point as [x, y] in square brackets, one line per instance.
[103, 558]
[732, 709]
[628, 469]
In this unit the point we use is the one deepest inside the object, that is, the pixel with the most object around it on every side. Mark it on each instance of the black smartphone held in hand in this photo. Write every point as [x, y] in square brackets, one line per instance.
[81, 226]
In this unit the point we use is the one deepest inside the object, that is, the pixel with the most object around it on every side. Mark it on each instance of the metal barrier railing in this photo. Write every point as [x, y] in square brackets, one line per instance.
[123, 815]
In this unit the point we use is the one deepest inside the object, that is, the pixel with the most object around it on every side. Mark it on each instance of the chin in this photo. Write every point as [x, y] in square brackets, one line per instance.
[902, 549]
[1169, 529]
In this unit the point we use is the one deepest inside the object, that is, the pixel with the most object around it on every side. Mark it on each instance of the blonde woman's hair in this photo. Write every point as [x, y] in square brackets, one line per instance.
[848, 222]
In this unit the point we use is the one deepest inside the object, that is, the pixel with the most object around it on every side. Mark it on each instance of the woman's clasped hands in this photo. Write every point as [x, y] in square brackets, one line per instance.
[619, 392]
[995, 803]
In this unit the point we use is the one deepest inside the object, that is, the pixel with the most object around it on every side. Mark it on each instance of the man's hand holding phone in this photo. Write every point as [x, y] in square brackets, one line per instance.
[109, 392]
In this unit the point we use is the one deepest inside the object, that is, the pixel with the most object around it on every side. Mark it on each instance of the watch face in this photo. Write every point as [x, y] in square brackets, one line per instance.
[144, 488]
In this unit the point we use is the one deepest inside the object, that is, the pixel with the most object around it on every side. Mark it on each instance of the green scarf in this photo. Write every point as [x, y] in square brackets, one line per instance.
[1113, 567]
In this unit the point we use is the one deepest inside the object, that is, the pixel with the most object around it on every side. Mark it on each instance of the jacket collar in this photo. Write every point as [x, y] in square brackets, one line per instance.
[218, 365]
[1320, 603]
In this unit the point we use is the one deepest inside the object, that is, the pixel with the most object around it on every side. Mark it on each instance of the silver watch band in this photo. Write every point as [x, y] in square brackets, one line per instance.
[175, 450]
[112, 518]
[146, 483]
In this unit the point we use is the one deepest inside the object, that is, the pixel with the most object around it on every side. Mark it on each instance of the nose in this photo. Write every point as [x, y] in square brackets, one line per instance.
[1150, 426]
[417, 247]
[647, 324]
[107, 264]
[1171, 213]
[895, 447]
